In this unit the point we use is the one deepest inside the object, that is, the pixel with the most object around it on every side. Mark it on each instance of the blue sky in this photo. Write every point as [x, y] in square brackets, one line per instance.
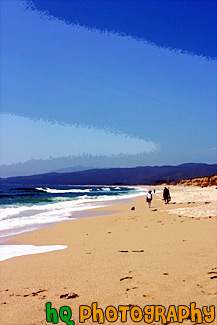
[130, 96]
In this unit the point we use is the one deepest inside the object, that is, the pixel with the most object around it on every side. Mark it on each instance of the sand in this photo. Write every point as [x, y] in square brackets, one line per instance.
[154, 256]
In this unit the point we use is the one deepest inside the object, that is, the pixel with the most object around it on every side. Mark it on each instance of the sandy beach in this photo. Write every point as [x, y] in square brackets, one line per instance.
[166, 255]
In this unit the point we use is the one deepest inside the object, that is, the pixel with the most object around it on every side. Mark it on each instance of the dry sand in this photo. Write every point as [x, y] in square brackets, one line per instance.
[141, 257]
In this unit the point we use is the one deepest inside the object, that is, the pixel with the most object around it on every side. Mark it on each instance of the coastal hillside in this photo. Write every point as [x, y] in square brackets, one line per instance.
[200, 181]
[118, 176]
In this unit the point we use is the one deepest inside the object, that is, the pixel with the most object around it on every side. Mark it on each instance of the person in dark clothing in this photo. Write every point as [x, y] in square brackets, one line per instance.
[166, 195]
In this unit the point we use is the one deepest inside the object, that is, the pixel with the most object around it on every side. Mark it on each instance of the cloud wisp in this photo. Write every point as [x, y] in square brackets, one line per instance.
[207, 150]
[29, 139]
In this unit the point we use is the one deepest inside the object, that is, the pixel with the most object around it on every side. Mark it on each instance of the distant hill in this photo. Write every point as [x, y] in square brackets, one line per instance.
[72, 169]
[117, 176]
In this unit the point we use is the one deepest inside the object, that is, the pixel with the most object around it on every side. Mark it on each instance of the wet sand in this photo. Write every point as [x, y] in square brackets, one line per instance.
[154, 256]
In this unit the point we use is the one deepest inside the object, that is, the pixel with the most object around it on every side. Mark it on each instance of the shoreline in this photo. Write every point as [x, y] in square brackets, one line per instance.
[100, 210]
[162, 258]
[81, 210]
[96, 212]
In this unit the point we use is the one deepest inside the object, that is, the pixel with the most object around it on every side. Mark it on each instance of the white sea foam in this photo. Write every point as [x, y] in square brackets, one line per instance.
[54, 191]
[9, 251]
[14, 217]
[105, 189]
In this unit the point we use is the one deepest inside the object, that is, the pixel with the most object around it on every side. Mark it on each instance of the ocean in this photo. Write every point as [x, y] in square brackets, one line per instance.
[24, 209]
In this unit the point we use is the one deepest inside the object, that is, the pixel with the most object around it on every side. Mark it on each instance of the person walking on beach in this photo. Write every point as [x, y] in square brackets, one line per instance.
[166, 195]
[149, 198]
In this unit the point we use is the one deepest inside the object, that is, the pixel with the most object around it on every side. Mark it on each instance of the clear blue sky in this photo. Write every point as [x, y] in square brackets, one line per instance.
[138, 95]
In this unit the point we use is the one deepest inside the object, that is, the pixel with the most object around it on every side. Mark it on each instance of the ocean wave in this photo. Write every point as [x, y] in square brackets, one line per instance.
[9, 251]
[55, 191]
[20, 216]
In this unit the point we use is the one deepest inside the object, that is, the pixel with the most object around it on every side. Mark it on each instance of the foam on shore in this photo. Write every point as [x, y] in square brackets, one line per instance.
[17, 219]
[9, 251]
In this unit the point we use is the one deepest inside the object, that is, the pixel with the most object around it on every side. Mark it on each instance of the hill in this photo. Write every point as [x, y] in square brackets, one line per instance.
[72, 169]
[117, 176]
[201, 181]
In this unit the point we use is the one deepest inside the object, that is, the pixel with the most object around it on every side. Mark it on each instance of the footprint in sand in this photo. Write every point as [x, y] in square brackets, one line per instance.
[69, 296]
[126, 277]
[33, 294]
[142, 251]
[131, 288]
[128, 289]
